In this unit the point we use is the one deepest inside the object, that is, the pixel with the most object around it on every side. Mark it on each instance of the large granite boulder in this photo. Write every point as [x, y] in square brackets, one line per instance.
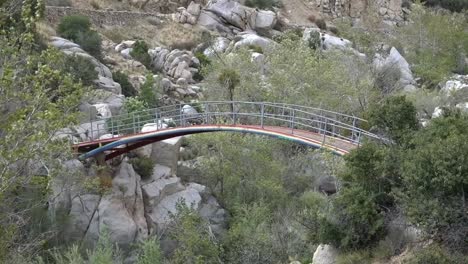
[395, 61]
[247, 39]
[166, 152]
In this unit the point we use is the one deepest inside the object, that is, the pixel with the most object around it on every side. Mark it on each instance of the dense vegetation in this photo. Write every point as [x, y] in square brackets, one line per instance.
[271, 188]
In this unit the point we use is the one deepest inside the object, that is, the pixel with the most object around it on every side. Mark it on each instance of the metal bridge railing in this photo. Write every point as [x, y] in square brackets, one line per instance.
[263, 114]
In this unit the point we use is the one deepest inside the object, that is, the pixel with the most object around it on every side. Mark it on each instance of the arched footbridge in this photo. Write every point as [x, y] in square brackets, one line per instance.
[314, 127]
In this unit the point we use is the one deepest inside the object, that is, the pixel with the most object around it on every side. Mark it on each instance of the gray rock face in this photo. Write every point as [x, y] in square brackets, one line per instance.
[219, 46]
[251, 39]
[166, 152]
[239, 16]
[263, 20]
[212, 22]
[396, 61]
[325, 254]
[160, 215]
[104, 82]
[232, 12]
[133, 208]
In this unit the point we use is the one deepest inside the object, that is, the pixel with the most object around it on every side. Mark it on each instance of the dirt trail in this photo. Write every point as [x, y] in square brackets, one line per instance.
[297, 12]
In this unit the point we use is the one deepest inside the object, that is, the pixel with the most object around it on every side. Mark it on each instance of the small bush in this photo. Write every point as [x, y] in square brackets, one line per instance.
[59, 2]
[78, 30]
[314, 41]
[127, 88]
[435, 254]
[256, 48]
[320, 22]
[356, 257]
[143, 166]
[91, 42]
[293, 35]
[263, 4]
[204, 60]
[452, 5]
[71, 26]
[140, 53]
[148, 92]
[81, 68]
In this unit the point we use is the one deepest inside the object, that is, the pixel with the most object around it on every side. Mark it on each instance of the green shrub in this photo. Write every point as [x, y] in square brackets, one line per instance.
[193, 238]
[204, 60]
[78, 30]
[90, 41]
[148, 92]
[59, 2]
[143, 166]
[150, 252]
[71, 26]
[435, 254]
[140, 53]
[452, 5]
[314, 41]
[396, 117]
[81, 68]
[293, 35]
[127, 88]
[256, 48]
[263, 4]
[355, 257]
[320, 22]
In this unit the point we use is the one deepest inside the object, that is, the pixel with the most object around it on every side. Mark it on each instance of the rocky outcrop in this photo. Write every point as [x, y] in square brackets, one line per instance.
[228, 16]
[388, 9]
[396, 62]
[180, 68]
[132, 208]
[109, 99]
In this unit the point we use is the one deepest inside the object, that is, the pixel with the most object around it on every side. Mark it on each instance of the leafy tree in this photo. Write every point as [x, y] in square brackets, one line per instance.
[395, 117]
[81, 68]
[148, 92]
[37, 100]
[435, 179]
[140, 53]
[249, 239]
[150, 252]
[78, 29]
[195, 243]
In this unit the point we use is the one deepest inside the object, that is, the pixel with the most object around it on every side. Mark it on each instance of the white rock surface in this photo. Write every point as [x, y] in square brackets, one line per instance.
[325, 254]
[251, 39]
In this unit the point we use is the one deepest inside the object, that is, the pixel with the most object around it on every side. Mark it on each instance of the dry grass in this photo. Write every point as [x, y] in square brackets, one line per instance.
[45, 31]
[168, 34]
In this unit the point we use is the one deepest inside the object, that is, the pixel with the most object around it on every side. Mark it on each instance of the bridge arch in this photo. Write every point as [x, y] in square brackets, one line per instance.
[314, 127]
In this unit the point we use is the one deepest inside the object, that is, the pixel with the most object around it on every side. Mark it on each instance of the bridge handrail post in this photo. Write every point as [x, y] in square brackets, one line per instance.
[133, 123]
[181, 114]
[157, 120]
[293, 120]
[325, 132]
[262, 114]
[91, 124]
[207, 112]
